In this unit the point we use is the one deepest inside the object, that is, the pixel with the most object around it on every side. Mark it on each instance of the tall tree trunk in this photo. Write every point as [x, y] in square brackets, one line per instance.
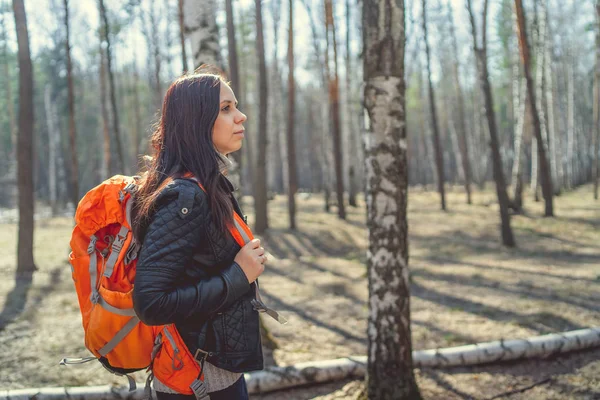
[439, 155]
[200, 18]
[553, 138]
[71, 102]
[596, 130]
[9, 99]
[520, 90]
[570, 121]
[137, 132]
[462, 137]
[323, 67]
[291, 147]
[486, 91]
[390, 367]
[112, 88]
[352, 148]
[334, 106]
[260, 173]
[154, 22]
[234, 76]
[106, 154]
[184, 62]
[547, 191]
[53, 134]
[25, 263]
[277, 132]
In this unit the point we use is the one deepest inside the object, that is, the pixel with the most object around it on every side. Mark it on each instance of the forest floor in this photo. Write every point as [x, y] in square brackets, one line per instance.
[465, 288]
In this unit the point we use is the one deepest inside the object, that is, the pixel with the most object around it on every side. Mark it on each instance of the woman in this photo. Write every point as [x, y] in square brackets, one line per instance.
[190, 270]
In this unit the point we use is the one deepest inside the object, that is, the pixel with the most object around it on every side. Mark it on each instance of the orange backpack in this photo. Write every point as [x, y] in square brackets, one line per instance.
[103, 261]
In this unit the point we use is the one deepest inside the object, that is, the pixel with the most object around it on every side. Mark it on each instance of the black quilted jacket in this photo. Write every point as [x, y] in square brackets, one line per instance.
[186, 275]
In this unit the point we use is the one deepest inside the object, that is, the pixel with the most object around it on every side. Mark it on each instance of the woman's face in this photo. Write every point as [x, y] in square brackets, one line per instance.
[228, 131]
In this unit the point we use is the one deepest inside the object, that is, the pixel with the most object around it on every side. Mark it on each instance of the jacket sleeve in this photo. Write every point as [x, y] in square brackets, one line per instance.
[161, 295]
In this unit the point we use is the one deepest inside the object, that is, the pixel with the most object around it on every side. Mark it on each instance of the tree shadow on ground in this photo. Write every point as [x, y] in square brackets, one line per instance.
[521, 289]
[540, 322]
[449, 260]
[16, 300]
[521, 374]
[457, 243]
[282, 305]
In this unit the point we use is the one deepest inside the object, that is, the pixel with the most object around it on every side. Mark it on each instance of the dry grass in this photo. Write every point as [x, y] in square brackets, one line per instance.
[466, 288]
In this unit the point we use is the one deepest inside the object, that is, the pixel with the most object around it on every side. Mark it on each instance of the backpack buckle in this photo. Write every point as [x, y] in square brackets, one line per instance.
[204, 355]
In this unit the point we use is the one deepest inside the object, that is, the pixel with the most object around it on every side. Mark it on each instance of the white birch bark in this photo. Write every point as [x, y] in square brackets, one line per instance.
[550, 105]
[570, 123]
[52, 146]
[202, 30]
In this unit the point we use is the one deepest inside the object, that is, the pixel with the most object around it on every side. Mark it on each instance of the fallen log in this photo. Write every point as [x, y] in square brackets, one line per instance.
[310, 373]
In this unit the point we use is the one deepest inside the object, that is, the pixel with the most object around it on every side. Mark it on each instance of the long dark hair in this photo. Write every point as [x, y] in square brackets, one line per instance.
[182, 143]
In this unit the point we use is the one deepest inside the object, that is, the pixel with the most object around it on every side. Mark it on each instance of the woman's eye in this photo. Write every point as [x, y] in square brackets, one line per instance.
[226, 108]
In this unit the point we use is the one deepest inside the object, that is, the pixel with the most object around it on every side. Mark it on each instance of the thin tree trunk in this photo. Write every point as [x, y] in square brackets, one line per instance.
[334, 106]
[234, 75]
[291, 148]
[596, 130]
[277, 131]
[71, 103]
[570, 121]
[260, 173]
[137, 132]
[439, 155]
[25, 157]
[352, 150]
[547, 191]
[184, 62]
[9, 99]
[106, 153]
[517, 169]
[486, 91]
[52, 147]
[555, 162]
[112, 88]
[462, 137]
[390, 365]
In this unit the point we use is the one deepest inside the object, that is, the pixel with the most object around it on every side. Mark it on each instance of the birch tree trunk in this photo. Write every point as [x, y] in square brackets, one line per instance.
[7, 87]
[279, 169]
[106, 154]
[71, 104]
[596, 130]
[520, 104]
[53, 133]
[390, 366]
[352, 139]
[291, 147]
[180, 18]
[112, 89]
[234, 76]
[570, 122]
[25, 156]
[201, 27]
[260, 173]
[555, 162]
[439, 155]
[334, 105]
[8, 198]
[547, 191]
[462, 125]
[486, 91]
[137, 130]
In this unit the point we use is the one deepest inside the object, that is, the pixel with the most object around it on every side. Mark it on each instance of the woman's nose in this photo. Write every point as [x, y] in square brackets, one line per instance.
[242, 117]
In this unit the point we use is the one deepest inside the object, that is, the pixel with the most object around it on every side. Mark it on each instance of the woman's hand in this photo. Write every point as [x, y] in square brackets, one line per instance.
[252, 258]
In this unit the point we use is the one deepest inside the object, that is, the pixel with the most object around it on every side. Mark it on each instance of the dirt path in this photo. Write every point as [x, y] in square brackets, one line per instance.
[465, 288]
